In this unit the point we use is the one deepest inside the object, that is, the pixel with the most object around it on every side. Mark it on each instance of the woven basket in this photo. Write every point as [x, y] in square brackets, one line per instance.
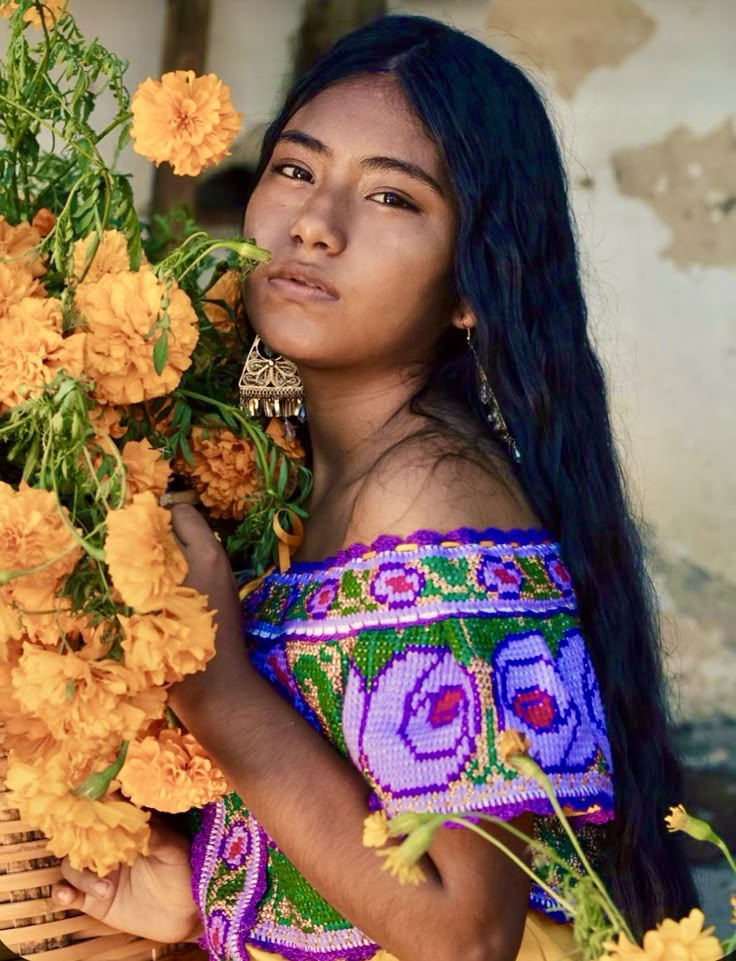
[29, 924]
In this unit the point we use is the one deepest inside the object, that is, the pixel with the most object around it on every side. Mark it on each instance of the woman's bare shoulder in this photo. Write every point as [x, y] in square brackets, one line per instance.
[422, 487]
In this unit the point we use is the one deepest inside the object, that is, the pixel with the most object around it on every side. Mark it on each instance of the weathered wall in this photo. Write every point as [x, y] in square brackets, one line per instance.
[641, 92]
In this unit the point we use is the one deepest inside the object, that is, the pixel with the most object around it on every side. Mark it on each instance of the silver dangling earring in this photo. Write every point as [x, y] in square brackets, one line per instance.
[270, 384]
[493, 410]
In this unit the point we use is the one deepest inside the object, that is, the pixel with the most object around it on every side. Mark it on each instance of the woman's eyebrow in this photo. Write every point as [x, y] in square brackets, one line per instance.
[370, 163]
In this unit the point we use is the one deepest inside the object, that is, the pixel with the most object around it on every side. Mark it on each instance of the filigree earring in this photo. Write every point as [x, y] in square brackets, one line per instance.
[493, 410]
[270, 384]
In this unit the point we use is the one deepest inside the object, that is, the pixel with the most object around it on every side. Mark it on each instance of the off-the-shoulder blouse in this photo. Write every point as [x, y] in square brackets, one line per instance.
[412, 655]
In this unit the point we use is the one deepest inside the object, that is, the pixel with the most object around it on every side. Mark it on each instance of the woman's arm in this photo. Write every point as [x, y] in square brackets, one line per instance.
[313, 802]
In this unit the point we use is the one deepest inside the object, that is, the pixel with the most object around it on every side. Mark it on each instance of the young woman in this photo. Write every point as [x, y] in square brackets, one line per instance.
[470, 563]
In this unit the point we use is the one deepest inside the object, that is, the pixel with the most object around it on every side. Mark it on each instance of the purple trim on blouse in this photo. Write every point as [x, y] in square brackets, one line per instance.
[423, 537]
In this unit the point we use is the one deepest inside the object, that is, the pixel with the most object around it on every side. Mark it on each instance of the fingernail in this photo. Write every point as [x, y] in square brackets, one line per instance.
[101, 889]
[63, 896]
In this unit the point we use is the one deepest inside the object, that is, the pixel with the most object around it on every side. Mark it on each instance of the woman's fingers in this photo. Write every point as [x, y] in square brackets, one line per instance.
[66, 896]
[88, 883]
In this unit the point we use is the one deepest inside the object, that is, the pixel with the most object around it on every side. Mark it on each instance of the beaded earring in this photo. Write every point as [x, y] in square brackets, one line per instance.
[493, 410]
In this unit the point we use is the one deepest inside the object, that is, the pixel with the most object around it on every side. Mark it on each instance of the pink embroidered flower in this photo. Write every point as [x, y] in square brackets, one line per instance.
[502, 577]
[397, 585]
[218, 926]
[236, 846]
[559, 575]
[319, 602]
[417, 727]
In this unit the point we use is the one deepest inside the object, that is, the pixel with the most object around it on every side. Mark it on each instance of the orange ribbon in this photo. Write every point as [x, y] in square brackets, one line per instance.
[287, 543]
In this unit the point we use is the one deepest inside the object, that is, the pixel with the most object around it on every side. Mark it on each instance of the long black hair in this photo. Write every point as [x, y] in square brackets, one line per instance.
[516, 266]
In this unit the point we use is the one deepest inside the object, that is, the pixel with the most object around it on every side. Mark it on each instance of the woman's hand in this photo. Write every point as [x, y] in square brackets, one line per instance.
[151, 898]
[209, 573]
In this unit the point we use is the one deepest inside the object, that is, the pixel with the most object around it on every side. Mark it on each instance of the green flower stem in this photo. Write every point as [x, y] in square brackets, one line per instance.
[530, 768]
[721, 844]
[538, 845]
[54, 130]
[111, 126]
[7, 576]
[513, 857]
[241, 247]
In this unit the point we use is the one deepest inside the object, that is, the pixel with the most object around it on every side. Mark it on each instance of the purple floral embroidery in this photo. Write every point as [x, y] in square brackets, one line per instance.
[501, 577]
[417, 728]
[236, 846]
[319, 602]
[533, 696]
[559, 575]
[577, 667]
[218, 927]
[398, 585]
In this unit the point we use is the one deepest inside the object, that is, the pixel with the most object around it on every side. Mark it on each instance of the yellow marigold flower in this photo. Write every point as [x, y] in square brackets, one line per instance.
[147, 470]
[107, 421]
[179, 640]
[80, 698]
[375, 830]
[111, 256]
[227, 289]
[683, 940]
[224, 471]
[35, 350]
[17, 283]
[98, 835]
[19, 246]
[144, 559]
[171, 773]
[184, 120]
[32, 533]
[679, 820]
[53, 10]
[511, 742]
[120, 310]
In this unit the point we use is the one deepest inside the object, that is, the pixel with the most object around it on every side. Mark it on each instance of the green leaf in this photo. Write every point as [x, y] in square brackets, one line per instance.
[161, 352]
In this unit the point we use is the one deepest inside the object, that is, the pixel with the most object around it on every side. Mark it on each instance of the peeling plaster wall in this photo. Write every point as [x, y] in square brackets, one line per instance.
[642, 94]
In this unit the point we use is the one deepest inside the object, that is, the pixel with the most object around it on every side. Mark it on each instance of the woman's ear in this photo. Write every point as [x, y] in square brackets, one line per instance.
[463, 317]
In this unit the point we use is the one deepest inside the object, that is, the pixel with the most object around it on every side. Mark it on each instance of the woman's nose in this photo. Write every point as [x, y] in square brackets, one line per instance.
[320, 223]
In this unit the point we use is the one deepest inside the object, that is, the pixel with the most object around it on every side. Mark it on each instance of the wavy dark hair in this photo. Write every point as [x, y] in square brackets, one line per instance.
[516, 265]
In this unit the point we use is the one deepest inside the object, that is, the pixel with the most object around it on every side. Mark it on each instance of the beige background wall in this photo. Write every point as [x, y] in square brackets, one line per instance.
[642, 94]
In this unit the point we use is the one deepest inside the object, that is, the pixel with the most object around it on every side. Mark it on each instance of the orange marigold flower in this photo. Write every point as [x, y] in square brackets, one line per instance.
[227, 289]
[35, 350]
[98, 835]
[17, 283]
[290, 444]
[44, 221]
[120, 310]
[80, 699]
[147, 470]
[53, 10]
[184, 120]
[107, 421]
[33, 534]
[224, 471]
[144, 559]
[19, 246]
[685, 940]
[110, 257]
[177, 641]
[171, 773]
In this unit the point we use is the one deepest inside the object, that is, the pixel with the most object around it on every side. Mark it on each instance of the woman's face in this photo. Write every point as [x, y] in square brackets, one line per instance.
[356, 192]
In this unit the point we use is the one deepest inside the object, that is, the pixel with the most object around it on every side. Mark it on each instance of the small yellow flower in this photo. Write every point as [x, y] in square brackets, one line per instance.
[683, 940]
[408, 872]
[52, 10]
[375, 830]
[679, 820]
[511, 742]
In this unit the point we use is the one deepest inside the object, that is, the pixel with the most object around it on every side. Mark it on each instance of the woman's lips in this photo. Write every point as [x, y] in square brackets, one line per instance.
[294, 290]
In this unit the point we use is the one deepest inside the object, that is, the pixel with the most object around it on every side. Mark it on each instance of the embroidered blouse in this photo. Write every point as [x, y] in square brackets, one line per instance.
[411, 656]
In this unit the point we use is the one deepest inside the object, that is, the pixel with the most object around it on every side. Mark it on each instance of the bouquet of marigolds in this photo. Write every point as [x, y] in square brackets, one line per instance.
[118, 385]
[600, 930]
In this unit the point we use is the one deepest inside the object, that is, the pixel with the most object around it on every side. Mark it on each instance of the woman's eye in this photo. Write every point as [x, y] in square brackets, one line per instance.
[281, 168]
[396, 201]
